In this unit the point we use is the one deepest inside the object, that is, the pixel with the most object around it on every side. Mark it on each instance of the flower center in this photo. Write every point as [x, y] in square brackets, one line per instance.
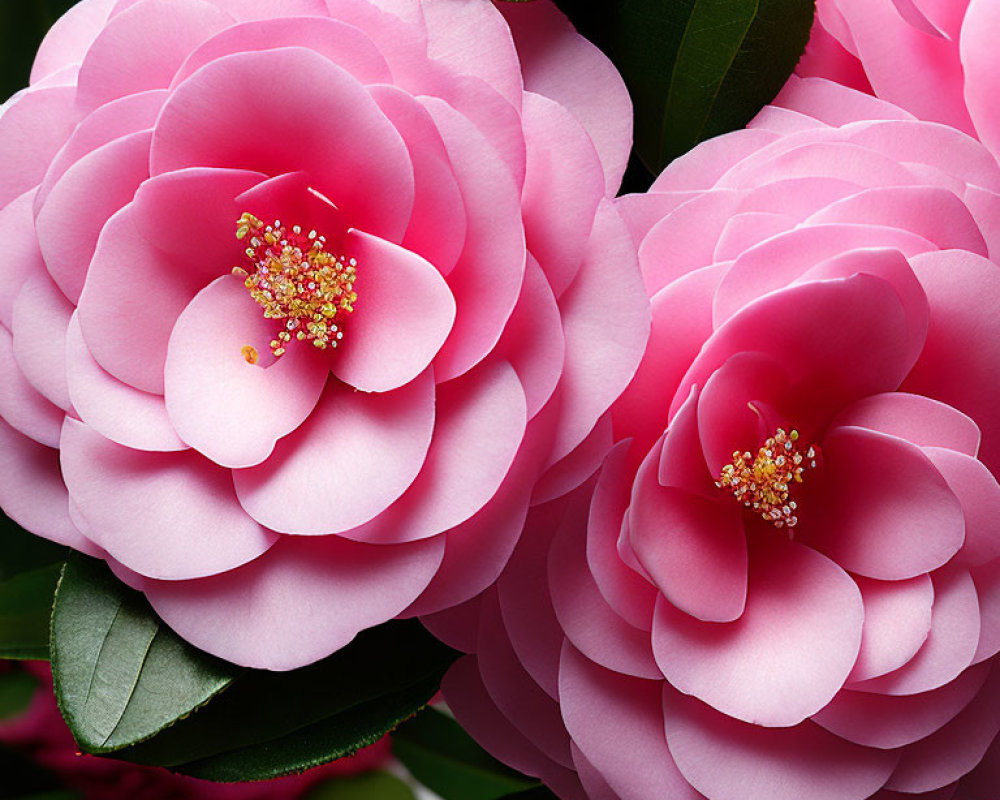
[294, 278]
[763, 483]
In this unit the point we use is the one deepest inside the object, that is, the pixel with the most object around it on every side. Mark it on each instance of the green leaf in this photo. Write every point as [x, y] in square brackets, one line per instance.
[269, 724]
[537, 793]
[377, 785]
[21, 551]
[25, 606]
[448, 761]
[16, 691]
[120, 674]
[695, 68]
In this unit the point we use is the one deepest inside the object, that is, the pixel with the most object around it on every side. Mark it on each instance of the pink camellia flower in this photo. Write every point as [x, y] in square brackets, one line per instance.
[301, 296]
[935, 58]
[785, 582]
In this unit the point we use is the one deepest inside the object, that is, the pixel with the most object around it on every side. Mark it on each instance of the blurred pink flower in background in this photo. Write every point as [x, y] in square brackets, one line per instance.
[41, 735]
[785, 581]
[301, 297]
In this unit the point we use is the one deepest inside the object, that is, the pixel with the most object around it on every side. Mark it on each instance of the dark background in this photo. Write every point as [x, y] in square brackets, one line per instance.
[23, 23]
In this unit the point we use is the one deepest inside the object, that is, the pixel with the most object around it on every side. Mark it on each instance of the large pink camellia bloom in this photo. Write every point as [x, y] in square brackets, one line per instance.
[300, 297]
[785, 581]
[935, 58]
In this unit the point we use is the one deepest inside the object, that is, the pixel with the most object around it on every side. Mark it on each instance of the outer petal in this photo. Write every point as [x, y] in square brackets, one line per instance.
[41, 316]
[727, 759]
[21, 255]
[305, 599]
[232, 411]
[404, 313]
[21, 405]
[174, 515]
[355, 455]
[979, 494]
[69, 38]
[982, 73]
[789, 653]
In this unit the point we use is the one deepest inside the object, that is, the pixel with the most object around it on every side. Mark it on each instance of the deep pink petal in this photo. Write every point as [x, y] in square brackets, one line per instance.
[563, 185]
[987, 581]
[21, 406]
[789, 653]
[479, 425]
[723, 757]
[114, 409]
[918, 419]
[304, 599]
[886, 722]
[579, 464]
[144, 274]
[558, 63]
[634, 760]
[955, 749]
[897, 622]
[354, 456]
[457, 626]
[630, 595]
[403, 315]
[978, 492]
[43, 508]
[950, 646]
[78, 205]
[881, 508]
[174, 515]
[121, 61]
[682, 461]
[214, 119]
[41, 316]
[230, 410]
[487, 279]
[693, 548]
[589, 622]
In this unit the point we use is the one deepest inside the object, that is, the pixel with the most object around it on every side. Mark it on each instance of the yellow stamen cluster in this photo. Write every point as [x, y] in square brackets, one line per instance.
[294, 278]
[763, 482]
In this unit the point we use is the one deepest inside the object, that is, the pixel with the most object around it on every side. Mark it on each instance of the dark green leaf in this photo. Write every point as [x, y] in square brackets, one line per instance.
[16, 690]
[537, 793]
[25, 606]
[21, 551]
[447, 761]
[120, 674]
[273, 723]
[695, 68]
[369, 786]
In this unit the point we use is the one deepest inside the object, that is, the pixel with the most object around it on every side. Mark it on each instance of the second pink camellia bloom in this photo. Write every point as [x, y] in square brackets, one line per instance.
[784, 583]
[301, 298]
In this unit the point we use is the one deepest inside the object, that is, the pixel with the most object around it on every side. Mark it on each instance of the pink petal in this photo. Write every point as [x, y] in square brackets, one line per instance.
[304, 599]
[121, 61]
[558, 63]
[479, 425]
[958, 362]
[143, 275]
[682, 462]
[897, 622]
[589, 622]
[743, 231]
[602, 350]
[707, 163]
[33, 127]
[953, 750]
[404, 313]
[834, 104]
[437, 226]
[290, 197]
[245, 10]
[213, 119]
[629, 594]
[987, 582]
[579, 465]
[41, 316]
[22, 258]
[950, 645]
[915, 418]
[563, 185]
[32, 491]
[978, 492]
[982, 73]
[21, 406]
[694, 549]
[725, 758]
[344, 45]
[617, 723]
[799, 198]
[174, 515]
[114, 409]
[229, 410]
[887, 722]
[487, 279]
[354, 456]
[514, 691]
[883, 510]
[80, 203]
[69, 38]
[789, 653]
[593, 782]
